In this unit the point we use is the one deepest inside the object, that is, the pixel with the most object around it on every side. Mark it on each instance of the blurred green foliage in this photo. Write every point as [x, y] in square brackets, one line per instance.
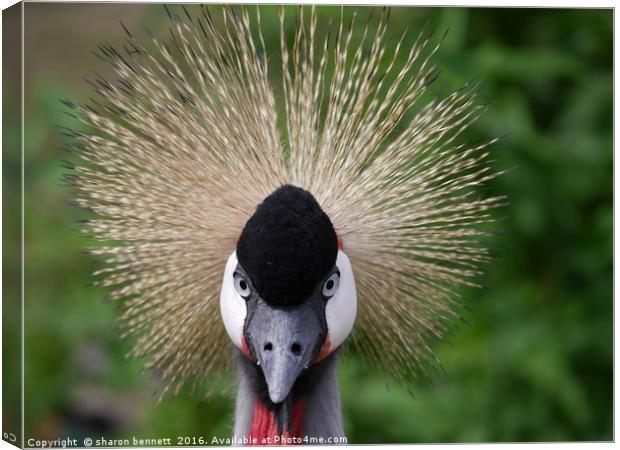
[534, 361]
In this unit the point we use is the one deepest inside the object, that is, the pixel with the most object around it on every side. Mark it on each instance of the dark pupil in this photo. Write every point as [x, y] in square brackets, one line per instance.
[243, 285]
[329, 285]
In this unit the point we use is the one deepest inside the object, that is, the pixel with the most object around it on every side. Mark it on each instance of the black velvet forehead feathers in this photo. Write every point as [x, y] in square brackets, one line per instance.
[288, 246]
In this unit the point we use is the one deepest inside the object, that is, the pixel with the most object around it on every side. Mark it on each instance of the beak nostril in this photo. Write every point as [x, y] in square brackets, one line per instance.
[296, 348]
[268, 347]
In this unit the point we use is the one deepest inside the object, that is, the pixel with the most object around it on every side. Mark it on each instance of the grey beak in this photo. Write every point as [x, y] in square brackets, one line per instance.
[285, 341]
[281, 369]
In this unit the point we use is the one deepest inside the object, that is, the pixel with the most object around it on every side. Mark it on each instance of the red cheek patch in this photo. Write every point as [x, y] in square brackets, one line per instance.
[340, 244]
[246, 350]
[325, 350]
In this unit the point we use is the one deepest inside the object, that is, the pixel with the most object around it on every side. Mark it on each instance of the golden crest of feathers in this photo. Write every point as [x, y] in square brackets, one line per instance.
[192, 135]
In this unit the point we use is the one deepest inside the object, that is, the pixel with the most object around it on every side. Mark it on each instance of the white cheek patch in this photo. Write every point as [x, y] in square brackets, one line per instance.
[341, 309]
[232, 306]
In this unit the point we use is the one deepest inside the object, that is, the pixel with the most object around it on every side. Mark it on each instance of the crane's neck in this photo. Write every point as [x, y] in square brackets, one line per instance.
[311, 411]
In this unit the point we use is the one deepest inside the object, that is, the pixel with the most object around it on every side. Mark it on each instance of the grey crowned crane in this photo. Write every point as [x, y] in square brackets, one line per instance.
[229, 210]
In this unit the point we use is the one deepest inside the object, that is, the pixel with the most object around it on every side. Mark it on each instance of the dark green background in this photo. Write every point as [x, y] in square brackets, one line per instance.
[534, 361]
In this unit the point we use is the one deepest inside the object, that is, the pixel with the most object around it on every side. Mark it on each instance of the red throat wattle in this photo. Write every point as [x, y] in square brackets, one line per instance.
[264, 427]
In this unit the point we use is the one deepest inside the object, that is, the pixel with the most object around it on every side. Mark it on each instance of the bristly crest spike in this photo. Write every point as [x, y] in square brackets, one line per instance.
[189, 17]
[176, 132]
[127, 32]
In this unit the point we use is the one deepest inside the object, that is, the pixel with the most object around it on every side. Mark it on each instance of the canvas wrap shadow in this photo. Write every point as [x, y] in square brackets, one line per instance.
[533, 362]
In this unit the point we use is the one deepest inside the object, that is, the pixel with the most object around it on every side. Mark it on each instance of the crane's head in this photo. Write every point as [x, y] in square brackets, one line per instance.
[288, 298]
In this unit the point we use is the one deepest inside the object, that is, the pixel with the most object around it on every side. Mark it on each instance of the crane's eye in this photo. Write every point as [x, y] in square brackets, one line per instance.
[331, 285]
[242, 285]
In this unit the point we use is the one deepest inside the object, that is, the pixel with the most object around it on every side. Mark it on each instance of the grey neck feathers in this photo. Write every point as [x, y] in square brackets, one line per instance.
[319, 387]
